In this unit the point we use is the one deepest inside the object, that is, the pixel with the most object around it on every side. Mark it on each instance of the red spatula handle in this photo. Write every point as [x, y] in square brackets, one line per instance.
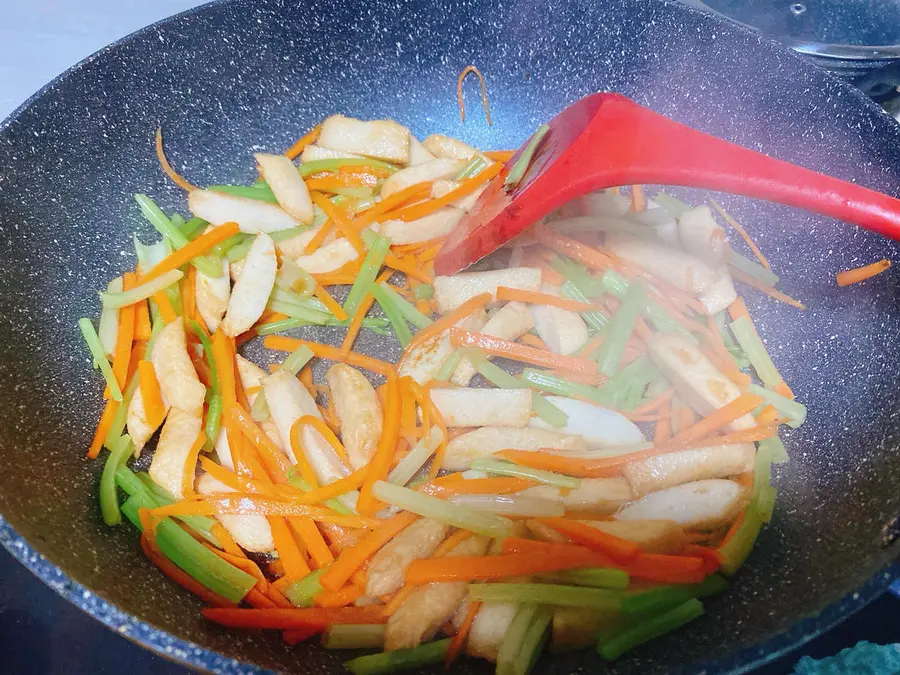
[640, 146]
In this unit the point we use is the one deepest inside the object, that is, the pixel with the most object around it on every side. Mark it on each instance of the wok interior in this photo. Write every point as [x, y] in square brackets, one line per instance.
[236, 77]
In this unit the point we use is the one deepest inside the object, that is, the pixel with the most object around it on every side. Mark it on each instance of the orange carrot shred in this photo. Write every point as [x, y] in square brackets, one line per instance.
[738, 309]
[380, 463]
[311, 537]
[858, 274]
[452, 542]
[308, 139]
[288, 551]
[538, 298]
[190, 465]
[744, 278]
[638, 202]
[783, 389]
[195, 247]
[124, 336]
[341, 221]
[500, 155]
[742, 232]
[287, 344]
[103, 427]
[459, 640]
[465, 188]
[142, 326]
[484, 97]
[339, 598]
[618, 549]
[154, 408]
[330, 303]
[397, 601]
[167, 167]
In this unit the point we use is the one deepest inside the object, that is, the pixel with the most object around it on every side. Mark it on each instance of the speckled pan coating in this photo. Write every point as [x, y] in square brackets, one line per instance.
[235, 77]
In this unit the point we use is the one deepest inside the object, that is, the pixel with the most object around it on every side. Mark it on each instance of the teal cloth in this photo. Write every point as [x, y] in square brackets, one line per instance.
[863, 659]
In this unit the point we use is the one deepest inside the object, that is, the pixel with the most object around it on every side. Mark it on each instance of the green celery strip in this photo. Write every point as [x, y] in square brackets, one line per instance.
[354, 636]
[206, 343]
[129, 482]
[428, 654]
[191, 556]
[406, 308]
[474, 167]
[121, 416]
[109, 499]
[320, 165]
[193, 227]
[620, 327]
[496, 375]
[415, 459]
[438, 509]
[108, 326]
[753, 268]
[618, 286]
[259, 409]
[261, 193]
[297, 359]
[448, 367]
[213, 419]
[141, 292]
[596, 577]
[548, 594]
[595, 319]
[501, 467]
[626, 388]
[547, 411]
[378, 249]
[423, 292]
[514, 639]
[280, 326]
[612, 644]
[354, 192]
[391, 311]
[301, 592]
[333, 504]
[283, 235]
[294, 311]
[160, 221]
[222, 248]
[552, 384]
[579, 276]
[794, 411]
[755, 350]
[775, 447]
[202, 525]
[150, 256]
[532, 642]
[736, 550]
[93, 343]
[666, 597]
[675, 207]
[766, 503]
[239, 251]
[517, 172]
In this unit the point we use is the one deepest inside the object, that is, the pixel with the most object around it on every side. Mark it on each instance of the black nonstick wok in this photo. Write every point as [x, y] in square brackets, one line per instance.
[233, 77]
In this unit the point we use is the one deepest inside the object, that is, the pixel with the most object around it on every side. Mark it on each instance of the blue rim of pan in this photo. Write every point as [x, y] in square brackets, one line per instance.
[168, 646]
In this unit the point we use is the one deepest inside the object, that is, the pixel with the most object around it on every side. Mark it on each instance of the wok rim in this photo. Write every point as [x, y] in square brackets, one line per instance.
[185, 652]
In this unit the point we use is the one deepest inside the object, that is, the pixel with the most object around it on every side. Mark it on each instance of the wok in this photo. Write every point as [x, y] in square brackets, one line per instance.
[232, 77]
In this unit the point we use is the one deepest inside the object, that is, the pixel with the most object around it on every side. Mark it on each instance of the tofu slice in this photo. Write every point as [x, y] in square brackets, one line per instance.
[653, 536]
[328, 257]
[489, 628]
[212, 295]
[444, 146]
[600, 427]
[178, 434]
[139, 428]
[704, 504]
[421, 173]
[599, 495]
[358, 410]
[717, 297]
[666, 262]
[483, 407]
[387, 568]
[293, 248]
[510, 322]
[695, 378]
[252, 533]
[382, 139]
[442, 186]
[674, 468]
[417, 152]
[564, 332]
[251, 215]
[452, 291]
[313, 153]
[287, 185]
[435, 225]
[252, 289]
[484, 442]
[178, 381]
[424, 362]
[701, 236]
[430, 606]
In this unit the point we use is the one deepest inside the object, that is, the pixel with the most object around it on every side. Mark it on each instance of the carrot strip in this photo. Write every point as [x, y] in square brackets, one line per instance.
[717, 419]
[409, 269]
[186, 290]
[587, 256]
[743, 277]
[167, 167]
[309, 534]
[124, 336]
[499, 485]
[482, 568]
[618, 549]
[656, 403]
[339, 598]
[465, 188]
[399, 598]
[742, 232]
[253, 505]
[341, 221]
[858, 274]
[783, 389]
[142, 327]
[662, 431]
[319, 237]
[500, 155]
[288, 551]
[380, 211]
[768, 415]
[225, 540]
[330, 303]
[308, 139]
[356, 322]
[223, 356]
[182, 578]
[190, 465]
[510, 350]
[380, 463]
[570, 466]
[667, 569]
[103, 427]
[335, 489]
[447, 321]
[277, 465]
[336, 181]
[259, 600]
[531, 340]
[278, 619]
[638, 202]
[326, 433]
[484, 98]
[195, 247]
[459, 640]
[738, 309]
[154, 408]
[452, 542]
[352, 558]
[286, 344]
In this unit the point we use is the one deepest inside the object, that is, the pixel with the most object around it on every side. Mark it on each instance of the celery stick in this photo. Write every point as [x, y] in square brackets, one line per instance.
[736, 550]
[794, 411]
[765, 502]
[532, 642]
[596, 577]
[239, 251]
[283, 235]
[756, 351]
[193, 227]
[406, 308]
[320, 165]
[150, 256]
[213, 420]
[389, 307]
[206, 343]
[160, 221]
[663, 598]
[297, 359]
[108, 326]
[548, 594]
[353, 636]
[448, 367]
[752, 268]
[109, 499]
[497, 376]
[612, 644]
[675, 207]
[423, 292]
[415, 459]
[261, 193]
[302, 592]
[333, 504]
[440, 510]
[620, 328]
[553, 384]
[202, 525]
[373, 261]
[547, 411]
[259, 409]
[140, 292]
[518, 170]
[775, 448]
[618, 286]
[501, 467]
[514, 638]
[121, 416]
[93, 343]
[280, 326]
[595, 319]
[416, 658]
[474, 167]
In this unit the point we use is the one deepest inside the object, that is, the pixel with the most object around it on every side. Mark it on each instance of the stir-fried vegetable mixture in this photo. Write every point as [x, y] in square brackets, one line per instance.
[575, 444]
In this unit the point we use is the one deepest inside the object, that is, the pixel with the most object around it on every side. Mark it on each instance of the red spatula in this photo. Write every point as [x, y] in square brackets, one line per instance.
[606, 140]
